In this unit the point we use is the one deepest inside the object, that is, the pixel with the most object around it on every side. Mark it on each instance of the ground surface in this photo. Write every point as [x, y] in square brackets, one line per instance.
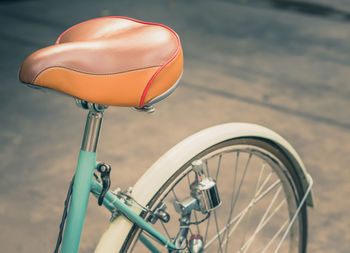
[281, 64]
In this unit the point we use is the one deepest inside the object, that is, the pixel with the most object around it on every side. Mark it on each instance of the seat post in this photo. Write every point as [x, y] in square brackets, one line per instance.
[92, 126]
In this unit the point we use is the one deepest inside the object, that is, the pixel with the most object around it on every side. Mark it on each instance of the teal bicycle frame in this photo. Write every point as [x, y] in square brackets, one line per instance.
[84, 184]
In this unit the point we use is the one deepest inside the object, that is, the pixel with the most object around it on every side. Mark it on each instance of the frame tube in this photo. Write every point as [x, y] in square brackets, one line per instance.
[148, 244]
[79, 201]
[82, 181]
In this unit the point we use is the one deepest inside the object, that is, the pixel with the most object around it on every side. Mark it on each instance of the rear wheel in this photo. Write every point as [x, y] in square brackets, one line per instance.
[260, 194]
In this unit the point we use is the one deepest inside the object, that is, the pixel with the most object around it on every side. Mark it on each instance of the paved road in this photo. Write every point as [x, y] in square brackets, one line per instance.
[281, 64]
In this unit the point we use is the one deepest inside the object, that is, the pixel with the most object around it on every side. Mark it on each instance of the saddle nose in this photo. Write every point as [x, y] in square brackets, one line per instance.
[115, 61]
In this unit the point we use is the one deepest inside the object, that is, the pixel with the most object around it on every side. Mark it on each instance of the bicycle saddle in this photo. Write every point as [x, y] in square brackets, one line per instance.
[111, 61]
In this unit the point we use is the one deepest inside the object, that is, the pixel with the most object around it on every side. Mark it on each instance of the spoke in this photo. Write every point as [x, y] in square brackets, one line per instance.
[218, 169]
[172, 190]
[235, 196]
[263, 221]
[206, 230]
[311, 182]
[256, 198]
[264, 183]
[274, 212]
[262, 226]
[188, 180]
[236, 220]
[260, 176]
[240, 218]
[275, 236]
[195, 215]
[258, 189]
[166, 231]
[217, 231]
[189, 229]
[206, 166]
[250, 240]
[268, 190]
[240, 184]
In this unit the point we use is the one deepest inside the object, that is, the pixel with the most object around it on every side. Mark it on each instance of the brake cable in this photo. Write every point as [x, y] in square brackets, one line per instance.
[64, 215]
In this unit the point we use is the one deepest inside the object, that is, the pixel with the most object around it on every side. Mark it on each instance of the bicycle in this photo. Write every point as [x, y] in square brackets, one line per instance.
[197, 195]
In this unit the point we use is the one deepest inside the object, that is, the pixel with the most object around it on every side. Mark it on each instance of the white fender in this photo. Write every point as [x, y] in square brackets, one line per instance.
[154, 178]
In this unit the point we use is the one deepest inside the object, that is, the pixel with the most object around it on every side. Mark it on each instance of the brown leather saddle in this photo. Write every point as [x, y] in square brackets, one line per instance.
[116, 61]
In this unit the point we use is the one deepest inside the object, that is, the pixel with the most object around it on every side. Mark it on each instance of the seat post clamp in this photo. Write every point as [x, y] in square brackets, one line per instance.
[104, 170]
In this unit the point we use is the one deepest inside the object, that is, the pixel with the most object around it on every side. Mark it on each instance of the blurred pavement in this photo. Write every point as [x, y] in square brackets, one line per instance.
[283, 64]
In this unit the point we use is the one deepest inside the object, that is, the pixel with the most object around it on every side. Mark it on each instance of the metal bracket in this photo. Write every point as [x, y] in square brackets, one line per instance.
[125, 197]
[90, 106]
[159, 214]
[146, 108]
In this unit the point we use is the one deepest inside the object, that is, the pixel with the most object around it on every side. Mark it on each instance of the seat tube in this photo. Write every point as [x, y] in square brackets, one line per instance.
[82, 181]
